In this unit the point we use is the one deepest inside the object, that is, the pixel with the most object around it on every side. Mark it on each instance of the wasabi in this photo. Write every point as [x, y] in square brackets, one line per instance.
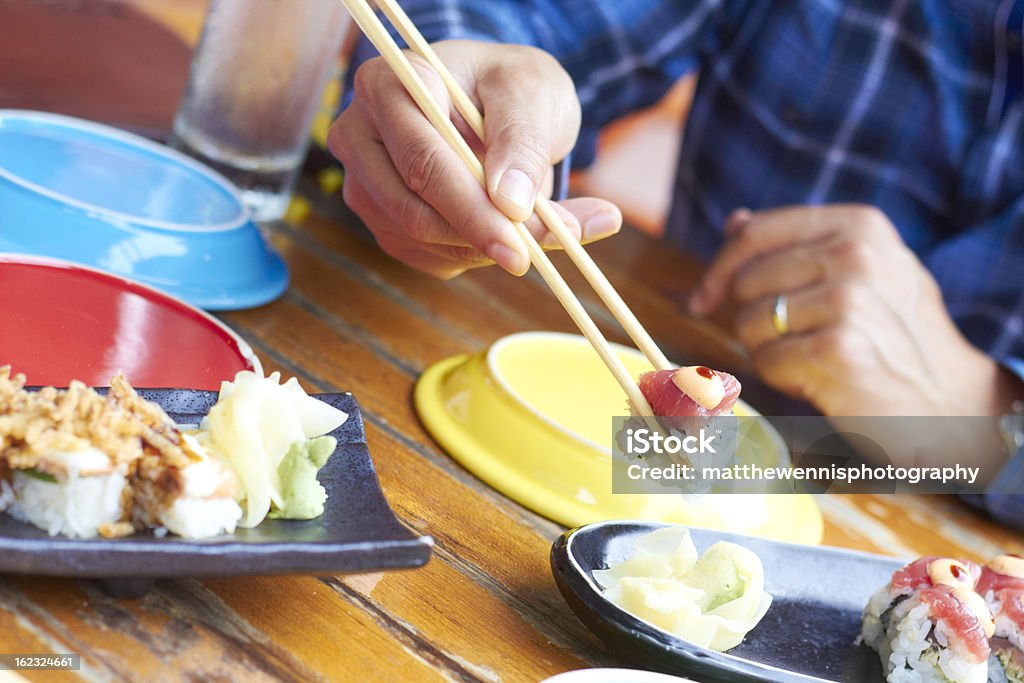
[302, 495]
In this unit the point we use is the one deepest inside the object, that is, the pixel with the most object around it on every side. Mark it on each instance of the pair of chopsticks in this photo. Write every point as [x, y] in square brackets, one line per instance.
[375, 31]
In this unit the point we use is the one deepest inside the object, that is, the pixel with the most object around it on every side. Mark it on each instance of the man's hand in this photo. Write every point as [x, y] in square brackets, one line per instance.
[422, 204]
[869, 333]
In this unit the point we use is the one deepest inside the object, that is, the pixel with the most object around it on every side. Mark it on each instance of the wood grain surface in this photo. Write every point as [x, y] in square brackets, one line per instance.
[485, 608]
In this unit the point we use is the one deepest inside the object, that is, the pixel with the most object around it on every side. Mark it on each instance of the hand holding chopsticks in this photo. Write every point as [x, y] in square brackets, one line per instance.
[397, 60]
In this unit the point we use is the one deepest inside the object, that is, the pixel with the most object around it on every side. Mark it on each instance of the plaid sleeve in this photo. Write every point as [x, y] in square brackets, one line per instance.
[622, 55]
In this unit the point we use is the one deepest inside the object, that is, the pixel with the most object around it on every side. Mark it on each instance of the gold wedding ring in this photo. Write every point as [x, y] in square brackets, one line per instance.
[780, 315]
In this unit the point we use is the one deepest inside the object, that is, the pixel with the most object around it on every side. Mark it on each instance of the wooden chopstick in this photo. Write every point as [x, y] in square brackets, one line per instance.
[375, 31]
[542, 207]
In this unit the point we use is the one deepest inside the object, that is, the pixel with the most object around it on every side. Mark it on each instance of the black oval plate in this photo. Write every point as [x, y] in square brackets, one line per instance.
[358, 532]
[808, 633]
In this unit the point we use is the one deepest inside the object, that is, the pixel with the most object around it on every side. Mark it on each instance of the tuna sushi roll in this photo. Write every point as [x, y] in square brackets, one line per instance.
[928, 624]
[695, 391]
[1002, 587]
[76, 463]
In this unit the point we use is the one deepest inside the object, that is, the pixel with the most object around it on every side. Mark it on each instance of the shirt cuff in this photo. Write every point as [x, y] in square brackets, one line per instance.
[1014, 365]
[560, 188]
[363, 52]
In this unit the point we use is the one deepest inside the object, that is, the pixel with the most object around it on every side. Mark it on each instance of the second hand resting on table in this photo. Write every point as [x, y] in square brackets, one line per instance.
[869, 333]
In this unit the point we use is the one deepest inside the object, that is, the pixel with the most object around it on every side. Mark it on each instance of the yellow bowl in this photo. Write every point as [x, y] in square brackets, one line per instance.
[531, 416]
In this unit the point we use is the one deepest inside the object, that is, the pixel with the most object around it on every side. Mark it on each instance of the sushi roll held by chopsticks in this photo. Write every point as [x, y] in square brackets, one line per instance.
[693, 391]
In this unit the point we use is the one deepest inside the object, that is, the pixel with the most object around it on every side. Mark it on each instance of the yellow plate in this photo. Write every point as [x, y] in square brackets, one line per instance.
[531, 416]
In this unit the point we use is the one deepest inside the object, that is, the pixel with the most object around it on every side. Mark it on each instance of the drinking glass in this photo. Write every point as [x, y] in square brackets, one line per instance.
[254, 86]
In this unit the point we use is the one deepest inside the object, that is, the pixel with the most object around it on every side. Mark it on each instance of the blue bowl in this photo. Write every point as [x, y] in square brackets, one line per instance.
[97, 195]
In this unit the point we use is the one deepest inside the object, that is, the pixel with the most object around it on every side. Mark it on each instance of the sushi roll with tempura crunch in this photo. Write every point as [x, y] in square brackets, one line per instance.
[76, 463]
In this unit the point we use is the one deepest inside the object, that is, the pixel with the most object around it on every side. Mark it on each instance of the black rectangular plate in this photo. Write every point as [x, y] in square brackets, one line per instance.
[358, 532]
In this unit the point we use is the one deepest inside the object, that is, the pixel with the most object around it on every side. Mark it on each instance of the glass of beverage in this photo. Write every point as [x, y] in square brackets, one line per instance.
[254, 86]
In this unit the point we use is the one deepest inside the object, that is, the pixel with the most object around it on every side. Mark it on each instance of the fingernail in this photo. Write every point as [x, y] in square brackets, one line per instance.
[601, 225]
[512, 260]
[516, 187]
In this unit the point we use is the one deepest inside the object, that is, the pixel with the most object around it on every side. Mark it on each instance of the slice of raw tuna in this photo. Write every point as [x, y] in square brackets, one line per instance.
[915, 575]
[943, 604]
[1011, 602]
[1005, 595]
[994, 581]
[668, 400]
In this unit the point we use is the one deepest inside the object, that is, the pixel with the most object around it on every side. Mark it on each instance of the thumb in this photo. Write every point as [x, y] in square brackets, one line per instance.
[526, 128]
[516, 162]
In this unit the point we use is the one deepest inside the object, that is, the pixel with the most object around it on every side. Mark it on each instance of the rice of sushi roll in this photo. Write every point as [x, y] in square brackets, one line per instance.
[194, 499]
[71, 493]
[1002, 587]
[928, 624]
[1006, 664]
[76, 463]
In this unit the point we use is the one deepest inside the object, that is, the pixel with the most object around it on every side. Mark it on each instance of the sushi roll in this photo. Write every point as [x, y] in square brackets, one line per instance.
[76, 463]
[194, 498]
[685, 402]
[928, 624]
[694, 391]
[1002, 587]
[77, 493]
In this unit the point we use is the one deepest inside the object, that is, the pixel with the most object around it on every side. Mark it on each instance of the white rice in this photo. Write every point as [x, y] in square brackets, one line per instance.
[996, 672]
[913, 648]
[872, 632]
[1003, 668]
[200, 512]
[6, 495]
[1005, 626]
[76, 506]
[89, 495]
[201, 517]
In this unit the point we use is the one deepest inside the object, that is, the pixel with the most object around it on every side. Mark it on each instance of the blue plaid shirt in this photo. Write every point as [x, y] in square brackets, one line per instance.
[913, 106]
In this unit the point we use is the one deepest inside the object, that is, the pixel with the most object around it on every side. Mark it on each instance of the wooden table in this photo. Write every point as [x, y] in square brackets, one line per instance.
[485, 608]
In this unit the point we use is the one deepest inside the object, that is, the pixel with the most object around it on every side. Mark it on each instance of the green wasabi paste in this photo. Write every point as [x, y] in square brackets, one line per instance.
[303, 495]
